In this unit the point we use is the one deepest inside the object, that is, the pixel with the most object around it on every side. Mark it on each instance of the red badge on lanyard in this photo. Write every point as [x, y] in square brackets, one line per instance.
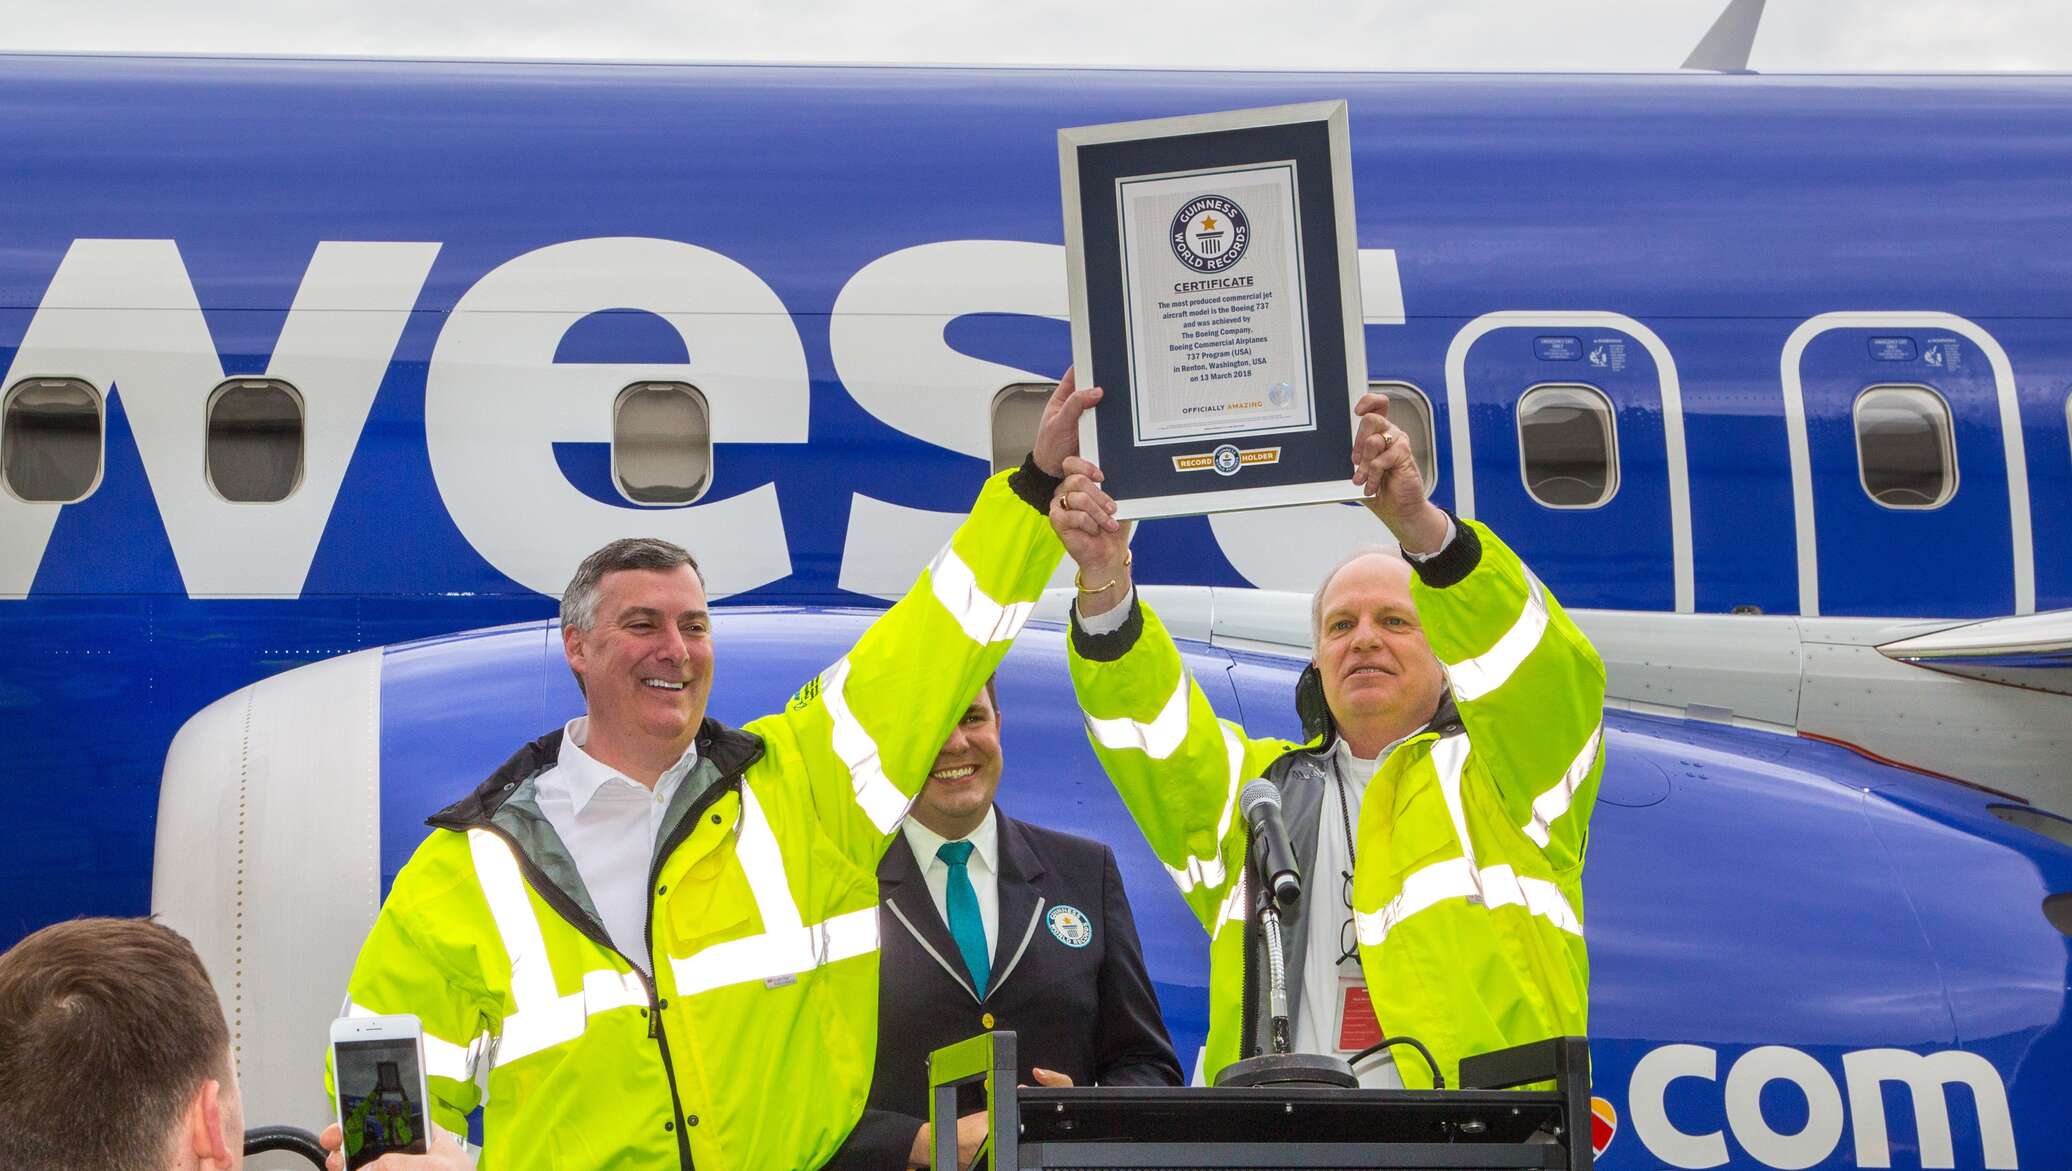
[1357, 1025]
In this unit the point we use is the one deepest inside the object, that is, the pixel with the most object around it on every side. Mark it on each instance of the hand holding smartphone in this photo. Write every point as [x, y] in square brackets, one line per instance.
[378, 1067]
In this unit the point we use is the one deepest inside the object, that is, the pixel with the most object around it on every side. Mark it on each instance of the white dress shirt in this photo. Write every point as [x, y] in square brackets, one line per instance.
[984, 868]
[609, 822]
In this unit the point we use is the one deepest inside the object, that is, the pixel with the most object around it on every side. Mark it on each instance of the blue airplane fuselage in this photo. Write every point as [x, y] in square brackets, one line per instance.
[458, 265]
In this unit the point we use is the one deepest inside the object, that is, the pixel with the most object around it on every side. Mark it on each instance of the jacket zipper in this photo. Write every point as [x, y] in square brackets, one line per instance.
[675, 839]
[594, 931]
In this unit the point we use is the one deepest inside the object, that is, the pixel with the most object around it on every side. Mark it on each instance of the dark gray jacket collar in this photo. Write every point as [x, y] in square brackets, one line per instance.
[506, 804]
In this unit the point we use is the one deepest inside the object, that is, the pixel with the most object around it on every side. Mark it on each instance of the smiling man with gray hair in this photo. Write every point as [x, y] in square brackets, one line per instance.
[1440, 806]
[627, 932]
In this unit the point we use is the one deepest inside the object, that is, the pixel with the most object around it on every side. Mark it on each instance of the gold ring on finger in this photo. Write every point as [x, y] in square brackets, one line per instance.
[1388, 440]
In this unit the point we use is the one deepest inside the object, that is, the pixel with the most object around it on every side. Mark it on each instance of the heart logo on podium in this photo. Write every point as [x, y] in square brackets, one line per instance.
[1604, 1123]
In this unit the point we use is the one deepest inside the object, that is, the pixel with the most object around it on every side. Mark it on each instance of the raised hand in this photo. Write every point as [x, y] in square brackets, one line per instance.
[1084, 517]
[1386, 472]
[1057, 436]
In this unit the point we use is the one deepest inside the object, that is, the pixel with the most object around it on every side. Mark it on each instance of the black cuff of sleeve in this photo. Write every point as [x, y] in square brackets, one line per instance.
[1456, 561]
[1106, 648]
[1034, 485]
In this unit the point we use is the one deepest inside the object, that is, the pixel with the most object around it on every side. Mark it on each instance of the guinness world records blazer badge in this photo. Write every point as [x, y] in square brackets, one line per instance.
[1215, 291]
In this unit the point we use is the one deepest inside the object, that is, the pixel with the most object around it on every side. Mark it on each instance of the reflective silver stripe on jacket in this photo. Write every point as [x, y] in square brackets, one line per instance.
[1158, 739]
[881, 800]
[1474, 678]
[1459, 878]
[787, 946]
[1548, 807]
[982, 619]
[542, 1018]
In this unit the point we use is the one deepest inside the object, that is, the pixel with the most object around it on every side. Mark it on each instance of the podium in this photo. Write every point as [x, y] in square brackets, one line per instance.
[1485, 1124]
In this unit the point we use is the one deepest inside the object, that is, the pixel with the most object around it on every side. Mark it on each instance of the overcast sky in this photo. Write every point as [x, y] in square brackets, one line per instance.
[1797, 35]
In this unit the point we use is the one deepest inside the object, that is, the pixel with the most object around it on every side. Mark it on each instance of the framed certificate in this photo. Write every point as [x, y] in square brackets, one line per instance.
[1216, 297]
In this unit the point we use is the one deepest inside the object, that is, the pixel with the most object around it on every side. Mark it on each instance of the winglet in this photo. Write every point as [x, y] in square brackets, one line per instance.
[1728, 41]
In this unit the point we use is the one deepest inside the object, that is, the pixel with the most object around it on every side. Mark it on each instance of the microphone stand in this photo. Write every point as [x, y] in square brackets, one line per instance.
[1280, 1066]
[1276, 975]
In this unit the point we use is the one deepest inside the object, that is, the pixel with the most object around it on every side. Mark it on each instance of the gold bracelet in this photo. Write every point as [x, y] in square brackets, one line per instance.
[1080, 582]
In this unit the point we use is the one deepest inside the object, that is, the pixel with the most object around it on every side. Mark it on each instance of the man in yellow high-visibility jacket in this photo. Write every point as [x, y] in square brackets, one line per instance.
[1439, 809]
[653, 938]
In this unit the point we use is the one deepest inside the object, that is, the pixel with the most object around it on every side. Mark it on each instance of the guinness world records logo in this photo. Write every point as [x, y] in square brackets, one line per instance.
[1070, 925]
[1210, 233]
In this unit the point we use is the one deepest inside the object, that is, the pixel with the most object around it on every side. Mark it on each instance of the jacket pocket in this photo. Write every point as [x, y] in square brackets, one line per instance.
[709, 903]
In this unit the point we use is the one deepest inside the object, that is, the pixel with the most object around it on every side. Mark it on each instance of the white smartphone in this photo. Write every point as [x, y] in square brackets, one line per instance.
[378, 1065]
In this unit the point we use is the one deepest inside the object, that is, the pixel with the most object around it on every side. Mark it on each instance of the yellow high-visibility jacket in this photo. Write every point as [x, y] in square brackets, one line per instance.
[752, 1047]
[1467, 889]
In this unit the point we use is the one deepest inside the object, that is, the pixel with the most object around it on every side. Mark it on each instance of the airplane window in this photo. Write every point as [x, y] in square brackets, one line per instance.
[1411, 411]
[1568, 445]
[661, 443]
[1016, 411]
[1904, 449]
[50, 440]
[255, 440]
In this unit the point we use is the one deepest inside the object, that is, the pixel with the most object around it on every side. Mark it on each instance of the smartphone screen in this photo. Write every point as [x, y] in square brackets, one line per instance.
[380, 1111]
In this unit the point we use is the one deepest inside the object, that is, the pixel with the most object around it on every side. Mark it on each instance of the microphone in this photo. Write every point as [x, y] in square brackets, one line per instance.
[1261, 804]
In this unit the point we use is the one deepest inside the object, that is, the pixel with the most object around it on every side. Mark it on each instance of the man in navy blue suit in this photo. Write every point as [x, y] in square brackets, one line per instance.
[991, 923]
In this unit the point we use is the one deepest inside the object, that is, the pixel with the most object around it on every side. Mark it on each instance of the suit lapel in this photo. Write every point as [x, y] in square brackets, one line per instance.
[1021, 900]
[905, 893]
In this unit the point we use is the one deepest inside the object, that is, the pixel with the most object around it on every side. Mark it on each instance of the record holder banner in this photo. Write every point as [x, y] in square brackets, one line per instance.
[1215, 290]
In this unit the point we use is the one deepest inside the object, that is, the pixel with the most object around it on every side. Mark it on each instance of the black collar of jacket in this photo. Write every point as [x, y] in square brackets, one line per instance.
[731, 750]
[1322, 730]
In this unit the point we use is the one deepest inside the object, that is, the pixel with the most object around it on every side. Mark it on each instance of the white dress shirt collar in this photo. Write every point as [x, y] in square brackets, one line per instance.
[982, 868]
[985, 842]
[1358, 769]
[582, 775]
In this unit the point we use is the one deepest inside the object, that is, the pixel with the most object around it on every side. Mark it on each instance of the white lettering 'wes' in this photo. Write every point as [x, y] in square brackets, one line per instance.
[122, 314]
[495, 405]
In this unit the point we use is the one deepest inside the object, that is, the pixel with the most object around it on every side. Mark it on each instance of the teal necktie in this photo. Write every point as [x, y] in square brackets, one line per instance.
[965, 926]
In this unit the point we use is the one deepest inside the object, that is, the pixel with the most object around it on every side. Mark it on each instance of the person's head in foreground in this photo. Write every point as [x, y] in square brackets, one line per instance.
[113, 1054]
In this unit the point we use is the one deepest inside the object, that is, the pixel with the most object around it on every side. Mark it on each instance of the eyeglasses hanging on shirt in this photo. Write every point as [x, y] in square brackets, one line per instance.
[1348, 936]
